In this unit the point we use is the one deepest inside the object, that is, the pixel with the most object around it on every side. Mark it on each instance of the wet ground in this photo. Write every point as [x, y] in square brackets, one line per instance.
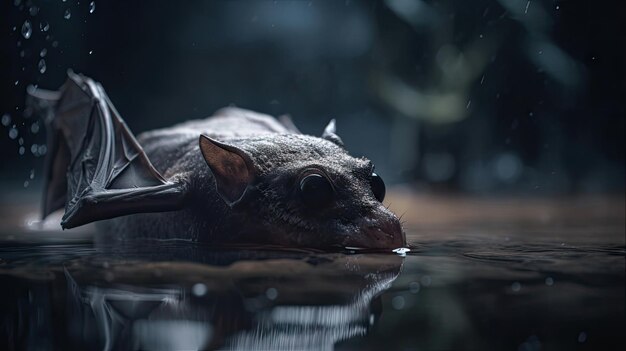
[502, 274]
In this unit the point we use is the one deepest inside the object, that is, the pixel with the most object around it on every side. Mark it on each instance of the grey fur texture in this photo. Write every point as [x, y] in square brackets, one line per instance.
[270, 211]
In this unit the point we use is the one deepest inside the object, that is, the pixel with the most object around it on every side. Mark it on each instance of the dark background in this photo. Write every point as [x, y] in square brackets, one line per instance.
[485, 96]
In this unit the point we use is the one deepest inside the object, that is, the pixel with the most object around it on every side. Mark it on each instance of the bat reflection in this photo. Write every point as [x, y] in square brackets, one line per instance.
[274, 303]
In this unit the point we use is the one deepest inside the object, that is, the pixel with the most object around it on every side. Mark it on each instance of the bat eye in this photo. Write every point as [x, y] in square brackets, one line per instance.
[378, 187]
[316, 190]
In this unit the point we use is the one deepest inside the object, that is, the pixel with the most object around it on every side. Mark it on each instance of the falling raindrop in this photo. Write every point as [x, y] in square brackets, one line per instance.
[43, 52]
[6, 119]
[44, 26]
[42, 66]
[13, 133]
[67, 14]
[32, 174]
[27, 29]
[90, 52]
[17, 82]
[92, 7]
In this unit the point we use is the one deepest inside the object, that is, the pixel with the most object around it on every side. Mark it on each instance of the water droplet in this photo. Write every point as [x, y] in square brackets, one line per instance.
[42, 66]
[13, 133]
[34, 149]
[20, 141]
[516, 286]
[34, 128]
[16, 82]
[42, 149]
[199, 289]
[43, 52]
[33, 10]
[92, 7]
[55, 44]
[398, 302]
[26, 184]
[27, 29]
[271, 293]
[426, 280]
[17, 2]
[44, 26]
[414, 287]
[549, 281]
[32, 174]
[90, 52]
[22, 150]
[6, 119]
[22, 53]
[582, 337]
[67, 14]
[558, 7]
[402, 251]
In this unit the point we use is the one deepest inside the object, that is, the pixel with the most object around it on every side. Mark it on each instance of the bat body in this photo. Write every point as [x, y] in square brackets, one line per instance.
[238, 176]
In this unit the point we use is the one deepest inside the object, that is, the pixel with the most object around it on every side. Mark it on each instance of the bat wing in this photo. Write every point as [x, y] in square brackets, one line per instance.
[95, 166]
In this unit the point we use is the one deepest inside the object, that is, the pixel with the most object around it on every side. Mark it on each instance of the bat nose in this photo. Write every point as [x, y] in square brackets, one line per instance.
[383, 231]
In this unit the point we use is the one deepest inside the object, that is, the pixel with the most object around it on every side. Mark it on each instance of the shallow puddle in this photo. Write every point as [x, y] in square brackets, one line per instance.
[443, 295]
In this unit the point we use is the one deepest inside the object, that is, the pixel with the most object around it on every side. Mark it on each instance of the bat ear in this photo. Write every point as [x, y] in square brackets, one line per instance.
[231, 167]
[329, 134]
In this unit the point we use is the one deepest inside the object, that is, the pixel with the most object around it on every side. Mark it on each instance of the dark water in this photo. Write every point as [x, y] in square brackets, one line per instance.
[474, 291]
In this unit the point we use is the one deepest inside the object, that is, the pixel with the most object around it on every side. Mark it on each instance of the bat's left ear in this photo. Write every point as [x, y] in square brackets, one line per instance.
[330, 134]
[231, 167]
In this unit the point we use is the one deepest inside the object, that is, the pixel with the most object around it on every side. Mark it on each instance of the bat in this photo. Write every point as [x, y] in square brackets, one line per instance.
[236, 177]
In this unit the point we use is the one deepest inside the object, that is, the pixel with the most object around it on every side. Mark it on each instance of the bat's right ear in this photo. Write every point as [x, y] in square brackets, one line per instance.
[231, 167]
[330, 134]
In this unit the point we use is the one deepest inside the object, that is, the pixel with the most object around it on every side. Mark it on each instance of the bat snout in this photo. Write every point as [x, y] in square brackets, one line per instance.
[383, 231]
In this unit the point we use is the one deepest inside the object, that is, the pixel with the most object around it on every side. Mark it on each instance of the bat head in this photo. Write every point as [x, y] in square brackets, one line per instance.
[298, 190]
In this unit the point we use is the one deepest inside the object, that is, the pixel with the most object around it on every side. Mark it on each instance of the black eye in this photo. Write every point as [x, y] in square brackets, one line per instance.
[378, 187]
[316, 190]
